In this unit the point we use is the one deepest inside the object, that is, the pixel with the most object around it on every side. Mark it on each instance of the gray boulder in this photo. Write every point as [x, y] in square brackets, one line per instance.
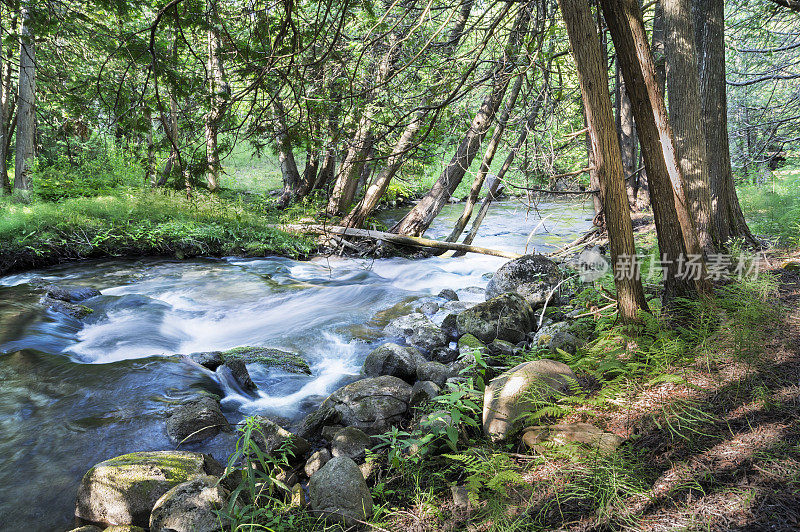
[392, 359]
[423, 392]
[507, 317]
[268, 357]
[238, 370]
[520, 390]
[417, 330]
[123, 490]
[350, 442]
[190, 507]
[531, 276]
[208, 359]
[566, 433]
[73, 310]
[196, 420]
[556, 336]
[448, 294]
[435, 372]
[270, 437]
[339, 493]
[373, 405]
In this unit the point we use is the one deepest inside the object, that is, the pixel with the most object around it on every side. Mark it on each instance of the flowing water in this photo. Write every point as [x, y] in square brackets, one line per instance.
[75, 393]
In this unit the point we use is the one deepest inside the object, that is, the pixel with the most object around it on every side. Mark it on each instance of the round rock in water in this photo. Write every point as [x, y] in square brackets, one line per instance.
[392, 359]
[196, 420]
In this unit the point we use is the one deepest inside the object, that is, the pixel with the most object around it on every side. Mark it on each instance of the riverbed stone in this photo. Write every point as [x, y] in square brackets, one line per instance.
[448, 294]
[73, 310]
[507, 317]
[423, 392]
[195, 420]
[450, 326]
[339, 493]
[531, 276]
[190, 507]
[502, 348]
[208, 359]
[268, 357]
[429, 308]
[518, 390]
[417, 330]
[238, 370]
[392, 359]
[435, 372]
[556, 336]
[316, 461]
[271, 437]
[373, 405]
[468, 343]
[124, 528]
[87, 528]
[350, 442]
[71, 294]
[123, 490]
[564, 433]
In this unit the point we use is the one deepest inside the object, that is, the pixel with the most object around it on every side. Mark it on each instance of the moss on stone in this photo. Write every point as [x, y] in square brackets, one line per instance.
[269, 357]
[471, 342]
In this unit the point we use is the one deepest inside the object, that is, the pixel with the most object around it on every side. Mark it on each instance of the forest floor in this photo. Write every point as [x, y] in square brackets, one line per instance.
[717, 447]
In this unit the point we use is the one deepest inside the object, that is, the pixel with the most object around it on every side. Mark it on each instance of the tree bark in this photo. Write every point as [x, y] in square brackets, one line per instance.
[377, 189]
[628, 141]
[488, 157]
[727, 220]
[219, 95]
[417, 221]
[686, 115]
[5, 110]
[26, 103]
[677, 238]
[289, 172]
[593, 78]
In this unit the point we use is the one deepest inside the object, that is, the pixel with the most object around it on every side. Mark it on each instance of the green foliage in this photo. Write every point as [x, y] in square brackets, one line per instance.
[133, 223]
[487, 475]
[775, 212]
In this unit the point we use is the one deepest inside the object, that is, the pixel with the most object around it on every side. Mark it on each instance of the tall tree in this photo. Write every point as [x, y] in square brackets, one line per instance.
[677, 238]
[417, 221]
[593, 78]
[26, 101]
[5, 106]
[219, 94]
[685, 113]
[727, 219]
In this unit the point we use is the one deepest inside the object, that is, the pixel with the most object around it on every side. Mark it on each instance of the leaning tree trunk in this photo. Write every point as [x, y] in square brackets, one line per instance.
[677, 238]
[417, 221]
[593, 78]
[26, 104]
[685, 113]
[727, 220]
[359, 214]
[488, 157]
[219, 94]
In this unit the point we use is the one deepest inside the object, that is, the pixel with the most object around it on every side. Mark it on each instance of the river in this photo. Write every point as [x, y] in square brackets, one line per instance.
[75, 393]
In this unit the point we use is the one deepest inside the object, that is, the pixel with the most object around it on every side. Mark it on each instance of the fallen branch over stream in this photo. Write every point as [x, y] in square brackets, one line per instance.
[405, 240]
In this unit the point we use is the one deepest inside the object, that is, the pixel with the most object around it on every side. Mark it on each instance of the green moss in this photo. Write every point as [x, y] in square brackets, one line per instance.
[469, 341]
[270, 357]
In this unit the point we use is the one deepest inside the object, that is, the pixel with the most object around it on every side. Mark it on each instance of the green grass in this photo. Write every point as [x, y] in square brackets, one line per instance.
[136, 222]
[773, 209]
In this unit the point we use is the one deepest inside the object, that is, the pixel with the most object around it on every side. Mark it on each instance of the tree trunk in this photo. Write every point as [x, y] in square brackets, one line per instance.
[727, 220]
[150, 163]
[378, 188]
[309, 172]
[486, 163]
[417, 221]
[628, 142]
[686, 115]
[219, 94]
[593, 78]
[5, 107]
[26, 104]
[289, 172]
[677, 238]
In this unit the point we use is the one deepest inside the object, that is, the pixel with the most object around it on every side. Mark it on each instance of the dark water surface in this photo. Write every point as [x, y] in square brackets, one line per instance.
[75, 393]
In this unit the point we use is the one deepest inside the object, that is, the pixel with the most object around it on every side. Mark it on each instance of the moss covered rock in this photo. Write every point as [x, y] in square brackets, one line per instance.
[269, 357]
[531, 276]
[395, 360]
[123, 490]
[190, 507]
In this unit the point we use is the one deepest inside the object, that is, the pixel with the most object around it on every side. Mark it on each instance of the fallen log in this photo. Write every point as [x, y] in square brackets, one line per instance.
[405, 240]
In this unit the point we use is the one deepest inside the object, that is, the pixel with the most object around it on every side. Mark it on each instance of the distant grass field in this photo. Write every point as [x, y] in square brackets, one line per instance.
[773, 209]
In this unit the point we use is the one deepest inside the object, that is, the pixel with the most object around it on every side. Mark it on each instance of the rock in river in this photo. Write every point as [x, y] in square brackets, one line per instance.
[395, 360]
[531, 276]
[419, 331]
[195, 420]
[123, 490]
[507, 317]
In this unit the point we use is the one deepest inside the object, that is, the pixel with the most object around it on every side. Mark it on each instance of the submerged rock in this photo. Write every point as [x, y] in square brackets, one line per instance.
[238, 370]
[395, 360]
[70, 294]
[339, 493]
[123, 490]
[507, 317]
[268, 357]
[531, 276]
[195, 420]
[70, 309]
[520, 390]
[190, 507]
